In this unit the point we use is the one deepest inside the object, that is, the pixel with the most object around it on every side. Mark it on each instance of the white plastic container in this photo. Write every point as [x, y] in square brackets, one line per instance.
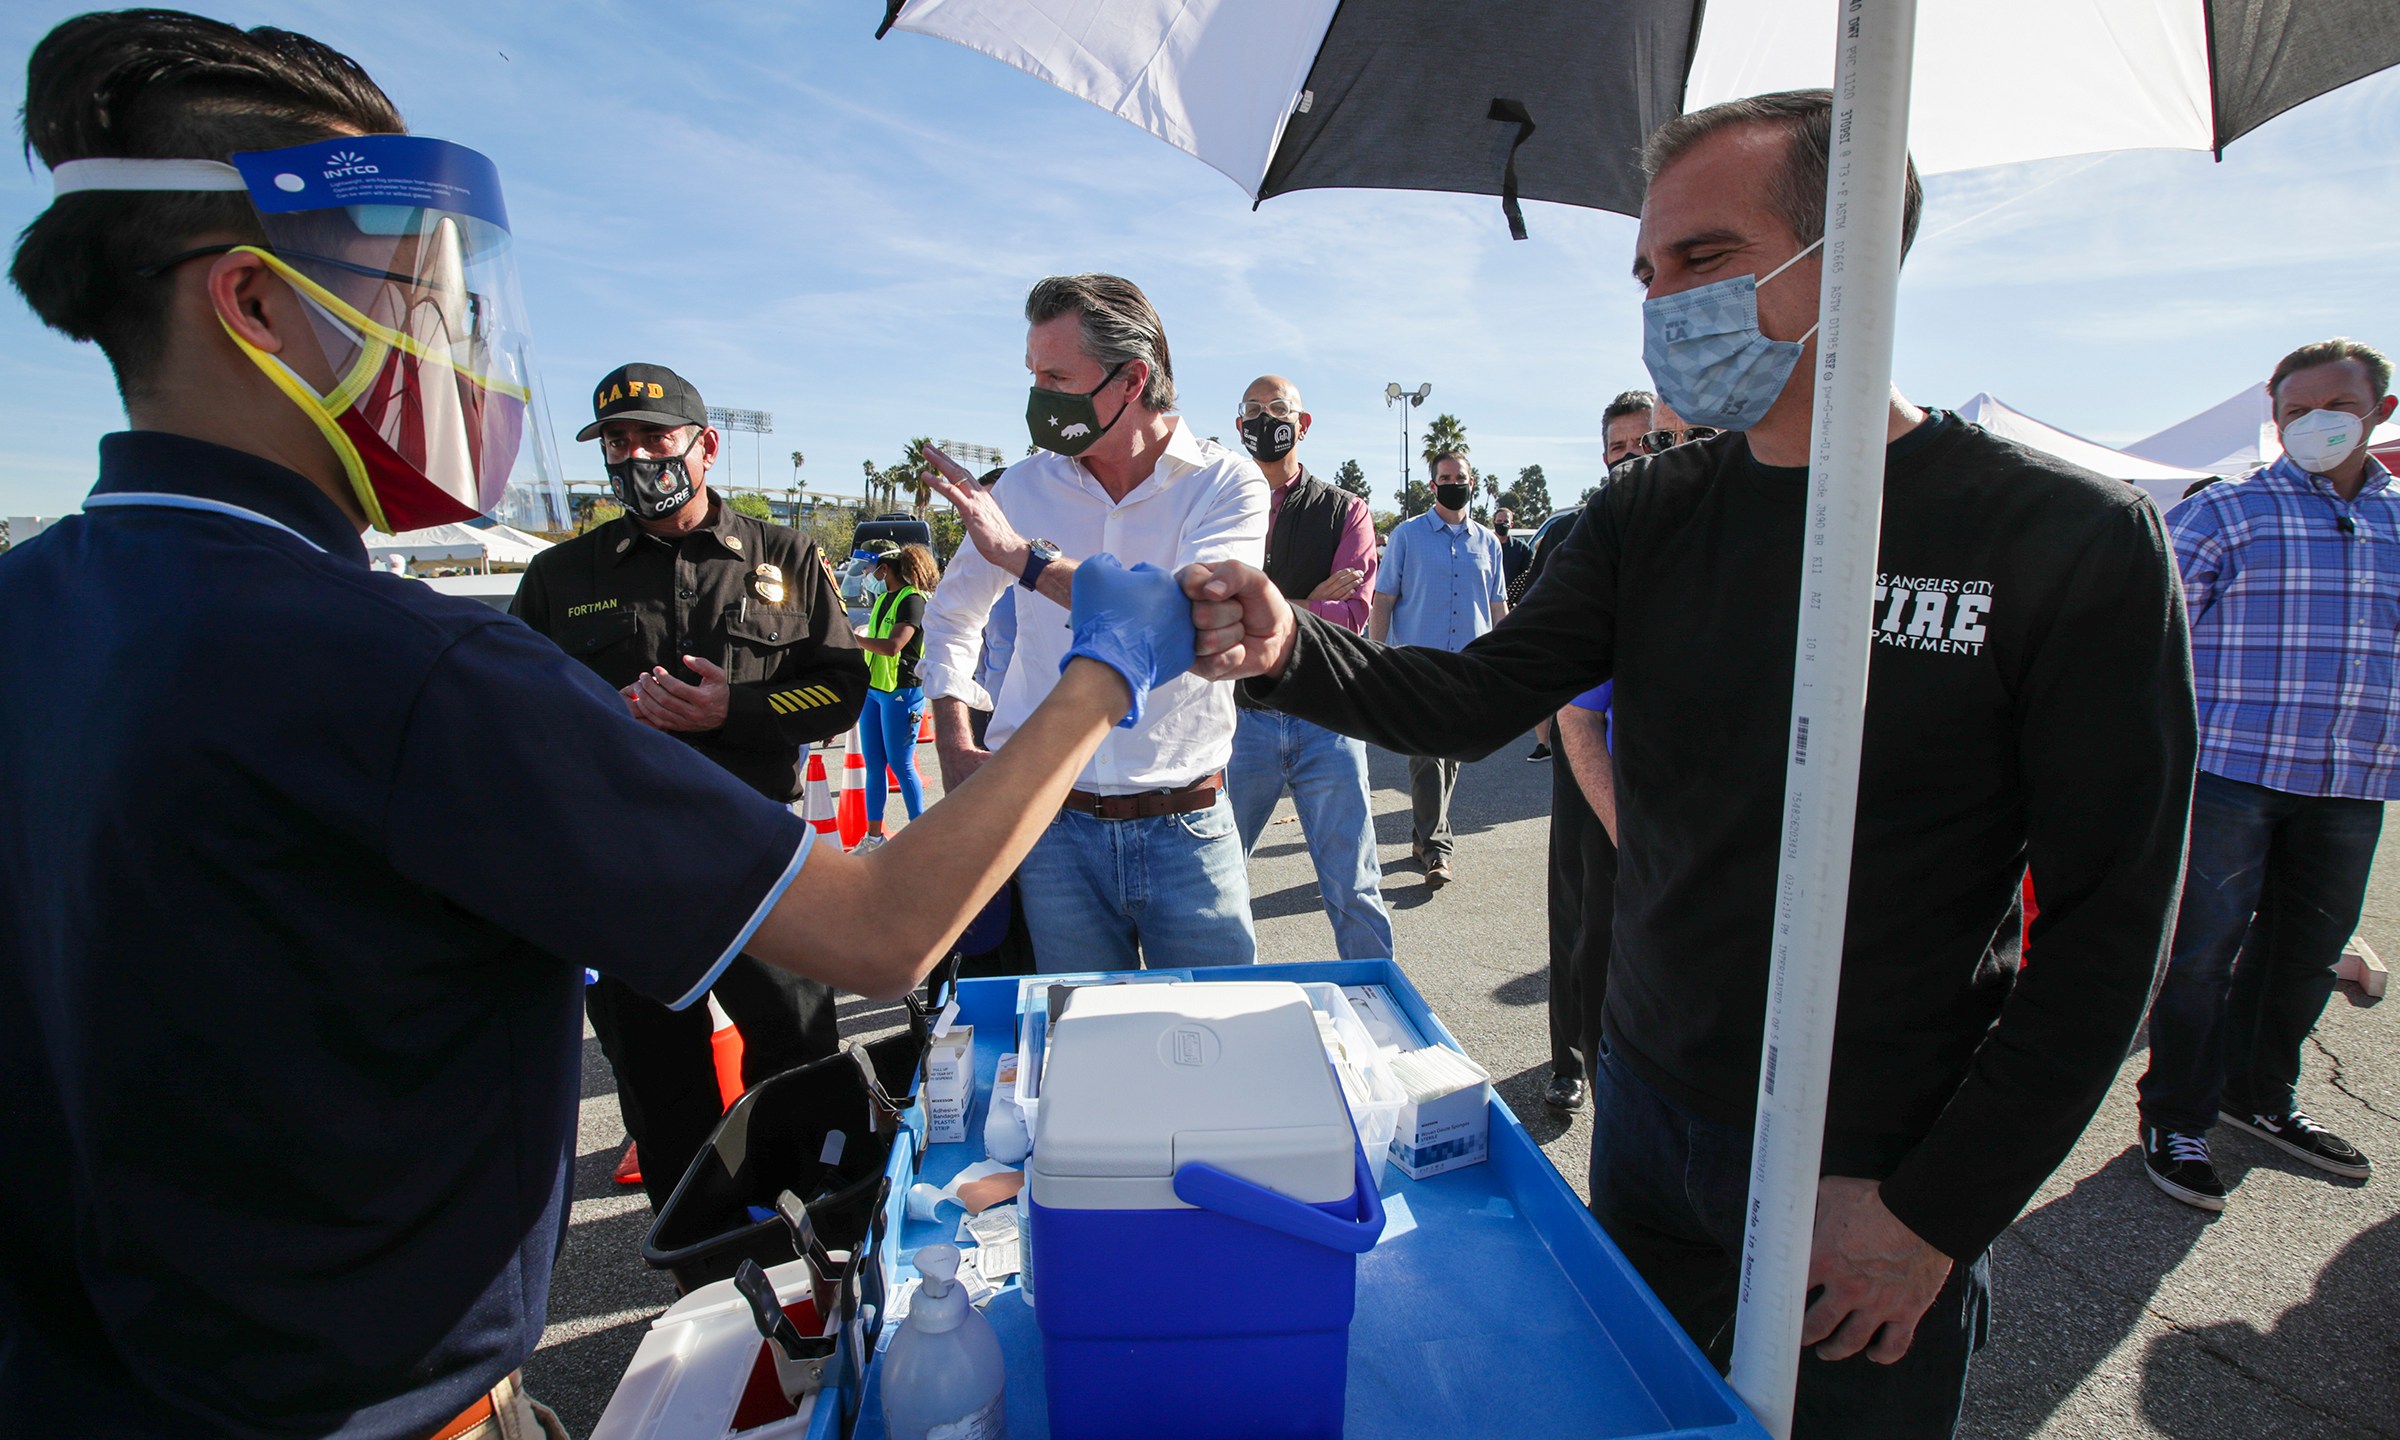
[943, 1377]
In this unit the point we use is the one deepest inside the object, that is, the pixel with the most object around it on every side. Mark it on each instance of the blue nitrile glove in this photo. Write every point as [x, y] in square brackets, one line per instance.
[1137, 622]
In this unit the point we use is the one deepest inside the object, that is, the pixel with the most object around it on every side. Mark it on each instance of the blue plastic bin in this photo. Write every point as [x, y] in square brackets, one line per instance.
[1492, 1308]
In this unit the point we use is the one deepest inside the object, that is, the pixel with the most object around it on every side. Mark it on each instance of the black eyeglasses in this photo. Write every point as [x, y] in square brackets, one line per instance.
[1655, 441]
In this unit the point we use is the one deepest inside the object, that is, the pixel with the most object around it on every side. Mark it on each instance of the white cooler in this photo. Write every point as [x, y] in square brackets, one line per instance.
[1198, 1200]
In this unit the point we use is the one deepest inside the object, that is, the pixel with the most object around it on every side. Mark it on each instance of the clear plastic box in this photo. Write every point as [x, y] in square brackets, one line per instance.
[1375, 1096]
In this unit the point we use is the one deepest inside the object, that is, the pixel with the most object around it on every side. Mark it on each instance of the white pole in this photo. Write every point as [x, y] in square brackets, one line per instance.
[1875, 45]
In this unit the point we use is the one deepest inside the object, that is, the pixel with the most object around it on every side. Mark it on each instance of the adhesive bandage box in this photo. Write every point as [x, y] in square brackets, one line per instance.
[950, 1062]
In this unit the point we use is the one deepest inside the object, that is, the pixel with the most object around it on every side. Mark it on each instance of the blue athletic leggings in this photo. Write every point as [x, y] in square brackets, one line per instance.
[887, 735]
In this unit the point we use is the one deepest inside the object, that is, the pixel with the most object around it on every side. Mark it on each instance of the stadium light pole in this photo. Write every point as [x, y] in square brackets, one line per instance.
[1393, 395]
[750, 422]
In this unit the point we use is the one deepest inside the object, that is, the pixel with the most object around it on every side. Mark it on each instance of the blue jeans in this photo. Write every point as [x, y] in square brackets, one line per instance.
[1671, 1190]
[1327, 775]
[887, 735]
[2227, 1035]
[1111, 894]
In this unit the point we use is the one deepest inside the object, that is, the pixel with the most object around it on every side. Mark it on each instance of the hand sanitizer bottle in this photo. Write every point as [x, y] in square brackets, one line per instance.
[943, 1378]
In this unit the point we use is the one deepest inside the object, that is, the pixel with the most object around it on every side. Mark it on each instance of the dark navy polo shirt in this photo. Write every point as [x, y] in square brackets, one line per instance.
[298, 867]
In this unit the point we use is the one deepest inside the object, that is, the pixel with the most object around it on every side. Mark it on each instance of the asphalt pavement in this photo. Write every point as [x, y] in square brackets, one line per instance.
[2117, 1312]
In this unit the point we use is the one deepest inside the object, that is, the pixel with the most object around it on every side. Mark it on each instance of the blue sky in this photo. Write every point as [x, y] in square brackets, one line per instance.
[806, 221]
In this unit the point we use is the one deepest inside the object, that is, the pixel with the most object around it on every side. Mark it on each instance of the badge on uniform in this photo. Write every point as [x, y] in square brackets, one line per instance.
[767, 581]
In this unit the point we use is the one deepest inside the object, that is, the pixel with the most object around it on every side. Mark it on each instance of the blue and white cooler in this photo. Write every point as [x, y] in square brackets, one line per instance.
[1198, 1202]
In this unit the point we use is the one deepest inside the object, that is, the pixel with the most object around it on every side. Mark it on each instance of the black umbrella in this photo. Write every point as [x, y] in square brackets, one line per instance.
[1550, 99]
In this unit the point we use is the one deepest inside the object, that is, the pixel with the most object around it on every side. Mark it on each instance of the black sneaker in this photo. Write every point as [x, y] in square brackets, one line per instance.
[1540, 751]
[2304, 1139]
[2178, 1164]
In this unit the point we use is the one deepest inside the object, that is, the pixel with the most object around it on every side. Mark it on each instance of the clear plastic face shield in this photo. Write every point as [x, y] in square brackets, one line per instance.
[418, 368]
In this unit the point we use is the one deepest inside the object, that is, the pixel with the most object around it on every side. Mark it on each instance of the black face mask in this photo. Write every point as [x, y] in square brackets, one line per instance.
[653, 489]
[1267, 438]
[1454, 497]
[1066, 423]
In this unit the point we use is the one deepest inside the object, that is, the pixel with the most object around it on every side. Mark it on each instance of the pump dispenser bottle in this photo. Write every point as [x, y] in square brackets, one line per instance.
[943, 1378]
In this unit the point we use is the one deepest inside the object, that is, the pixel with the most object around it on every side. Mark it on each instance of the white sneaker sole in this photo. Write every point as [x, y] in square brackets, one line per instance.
[2189, 1197]
[2301, 1153]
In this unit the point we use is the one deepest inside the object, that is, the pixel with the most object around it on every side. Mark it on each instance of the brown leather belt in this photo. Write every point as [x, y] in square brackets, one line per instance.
[1199, 795]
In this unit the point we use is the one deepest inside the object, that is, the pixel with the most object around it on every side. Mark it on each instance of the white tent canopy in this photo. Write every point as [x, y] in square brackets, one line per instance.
[2232, 437]
[484, 545]
[2164, 483]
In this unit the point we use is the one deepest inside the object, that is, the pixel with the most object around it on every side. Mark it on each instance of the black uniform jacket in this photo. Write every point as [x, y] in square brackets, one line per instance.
[748, 595]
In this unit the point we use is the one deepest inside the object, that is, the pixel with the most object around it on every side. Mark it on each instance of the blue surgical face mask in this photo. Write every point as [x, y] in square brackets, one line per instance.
[873, 584]
[1707, 357]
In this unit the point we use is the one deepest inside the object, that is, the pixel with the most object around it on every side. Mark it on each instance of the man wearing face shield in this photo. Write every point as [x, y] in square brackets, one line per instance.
[722, 630]
[302, 861]
[2030, 704]
[2289, 575]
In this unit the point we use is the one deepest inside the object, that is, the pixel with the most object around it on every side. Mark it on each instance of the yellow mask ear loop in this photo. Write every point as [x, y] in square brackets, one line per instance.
[312, 405]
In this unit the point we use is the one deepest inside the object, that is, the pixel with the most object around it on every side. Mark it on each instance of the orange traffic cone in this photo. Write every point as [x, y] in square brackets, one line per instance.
[852, 814]
[816, 804]
[925, 727]
[725, 1045]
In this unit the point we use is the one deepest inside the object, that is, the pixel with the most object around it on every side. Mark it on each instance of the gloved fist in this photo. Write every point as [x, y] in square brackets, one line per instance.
[1136, 622]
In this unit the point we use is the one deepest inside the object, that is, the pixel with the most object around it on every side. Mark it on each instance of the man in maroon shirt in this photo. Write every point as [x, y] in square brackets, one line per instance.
[1321, 554]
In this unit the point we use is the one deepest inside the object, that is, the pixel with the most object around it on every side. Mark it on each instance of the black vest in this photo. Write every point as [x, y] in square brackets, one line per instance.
[1301, 542]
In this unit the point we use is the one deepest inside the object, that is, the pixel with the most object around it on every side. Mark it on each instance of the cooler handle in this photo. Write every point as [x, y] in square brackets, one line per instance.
[1204, 1185]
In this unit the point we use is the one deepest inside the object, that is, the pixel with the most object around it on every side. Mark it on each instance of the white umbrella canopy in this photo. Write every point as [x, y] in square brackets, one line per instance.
[1284, 95]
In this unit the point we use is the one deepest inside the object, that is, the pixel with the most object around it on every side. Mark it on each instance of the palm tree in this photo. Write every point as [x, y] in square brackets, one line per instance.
[912, 468]
[1445, 433]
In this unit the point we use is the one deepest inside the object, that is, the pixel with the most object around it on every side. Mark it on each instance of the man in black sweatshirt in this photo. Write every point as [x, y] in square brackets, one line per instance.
[2029, 704]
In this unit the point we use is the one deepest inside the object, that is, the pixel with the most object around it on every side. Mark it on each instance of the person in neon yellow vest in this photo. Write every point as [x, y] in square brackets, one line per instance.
[894, 640]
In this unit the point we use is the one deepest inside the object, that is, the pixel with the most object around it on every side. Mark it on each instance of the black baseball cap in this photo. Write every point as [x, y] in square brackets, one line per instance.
[649, 394]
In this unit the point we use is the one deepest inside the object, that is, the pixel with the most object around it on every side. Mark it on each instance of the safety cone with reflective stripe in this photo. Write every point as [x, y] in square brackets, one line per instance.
[816, 802]
[725, 1045]
[852, 814]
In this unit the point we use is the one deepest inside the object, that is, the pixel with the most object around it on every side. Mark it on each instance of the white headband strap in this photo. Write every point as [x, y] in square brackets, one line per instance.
[119, 172]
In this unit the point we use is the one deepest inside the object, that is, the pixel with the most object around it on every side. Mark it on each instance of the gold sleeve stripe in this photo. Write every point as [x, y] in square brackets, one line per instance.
[786, 702]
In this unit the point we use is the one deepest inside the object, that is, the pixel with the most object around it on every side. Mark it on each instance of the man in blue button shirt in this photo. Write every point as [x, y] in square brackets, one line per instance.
[2292, 577]
[294, 848]
[1442, 583]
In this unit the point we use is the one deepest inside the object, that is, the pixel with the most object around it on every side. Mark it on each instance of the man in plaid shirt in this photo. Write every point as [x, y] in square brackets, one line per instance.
[2292, 576]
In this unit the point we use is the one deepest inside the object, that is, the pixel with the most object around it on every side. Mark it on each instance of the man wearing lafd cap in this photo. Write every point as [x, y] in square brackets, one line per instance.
[723, 631]
[301, 862]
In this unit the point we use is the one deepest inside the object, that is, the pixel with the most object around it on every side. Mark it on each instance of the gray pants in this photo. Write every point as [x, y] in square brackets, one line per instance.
[1430, 782]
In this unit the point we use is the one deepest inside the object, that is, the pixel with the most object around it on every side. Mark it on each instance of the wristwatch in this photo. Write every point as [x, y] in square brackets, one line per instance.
[1043, 553]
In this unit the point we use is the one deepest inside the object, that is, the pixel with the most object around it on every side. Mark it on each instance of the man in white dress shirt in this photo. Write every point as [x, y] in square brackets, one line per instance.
[1142, 864]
